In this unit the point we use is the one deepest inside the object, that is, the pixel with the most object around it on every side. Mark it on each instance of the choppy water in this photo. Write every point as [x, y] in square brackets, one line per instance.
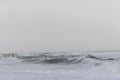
[60, 66]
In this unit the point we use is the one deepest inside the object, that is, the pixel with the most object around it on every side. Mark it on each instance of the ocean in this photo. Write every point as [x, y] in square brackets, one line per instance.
[61, 66]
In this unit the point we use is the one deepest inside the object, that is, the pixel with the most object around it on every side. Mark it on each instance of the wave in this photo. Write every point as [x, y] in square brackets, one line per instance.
[48, 58]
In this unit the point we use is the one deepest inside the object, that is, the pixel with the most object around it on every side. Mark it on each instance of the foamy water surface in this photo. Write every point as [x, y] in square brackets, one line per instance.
[60, 66]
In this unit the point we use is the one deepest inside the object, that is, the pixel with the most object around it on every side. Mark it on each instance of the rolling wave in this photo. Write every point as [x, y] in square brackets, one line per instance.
[47, 58]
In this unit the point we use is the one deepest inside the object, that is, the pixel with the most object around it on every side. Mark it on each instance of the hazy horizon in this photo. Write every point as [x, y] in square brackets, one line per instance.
[59, 25]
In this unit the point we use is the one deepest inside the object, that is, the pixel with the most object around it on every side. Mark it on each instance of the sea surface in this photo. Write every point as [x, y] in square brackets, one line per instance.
[94, 65]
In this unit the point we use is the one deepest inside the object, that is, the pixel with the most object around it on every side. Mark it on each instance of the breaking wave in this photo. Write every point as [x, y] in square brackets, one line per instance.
[47, 58]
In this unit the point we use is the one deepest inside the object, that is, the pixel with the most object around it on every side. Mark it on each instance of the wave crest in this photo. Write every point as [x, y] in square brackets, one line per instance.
[47, 58]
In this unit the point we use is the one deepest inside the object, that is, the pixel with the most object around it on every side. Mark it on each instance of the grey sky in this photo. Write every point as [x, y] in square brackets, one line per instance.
[59, 25]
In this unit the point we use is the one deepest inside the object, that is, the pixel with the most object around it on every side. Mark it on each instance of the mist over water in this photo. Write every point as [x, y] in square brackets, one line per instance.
[64, 25]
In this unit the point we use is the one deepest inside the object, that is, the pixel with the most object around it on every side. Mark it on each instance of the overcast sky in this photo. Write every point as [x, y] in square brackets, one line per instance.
[59, 25]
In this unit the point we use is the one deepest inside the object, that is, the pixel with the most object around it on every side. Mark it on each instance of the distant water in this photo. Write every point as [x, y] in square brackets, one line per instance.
[60, 66]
